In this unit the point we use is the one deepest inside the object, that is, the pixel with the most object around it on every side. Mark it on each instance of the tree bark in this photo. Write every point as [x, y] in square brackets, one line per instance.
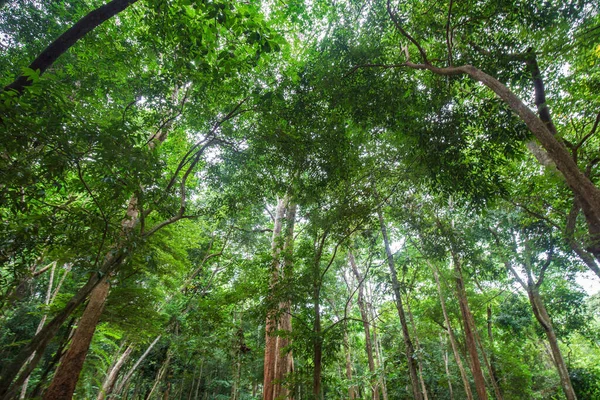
[463, 374]
[40, 341]
[65, 41]
[446, 366]
[66, 376]
[113, 373]
[348, 359]
[160, 375]
[366, 327]
[271, 356]
[418, 347]
[285, 361]
[410, 351]
[41, 323]
[542, 316]
[469, 327]
[127, 377]
[583, 188]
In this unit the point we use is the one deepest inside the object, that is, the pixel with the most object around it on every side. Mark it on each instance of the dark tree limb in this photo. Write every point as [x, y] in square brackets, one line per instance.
[68, 39]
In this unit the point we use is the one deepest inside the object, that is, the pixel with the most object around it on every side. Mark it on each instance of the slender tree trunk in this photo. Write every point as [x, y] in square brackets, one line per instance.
[488, 365]
[69, 38]
[469, 328]
[448, 376]
[127, 377]
[366, 327]
[317, 347]
[412, 365]
[348, 358]
[41, 324]
[199, 380]
[160, 375]
[542, 316]
[66, 376]
[113, 373]
[379, 361]
[453, 343]
[418, 347]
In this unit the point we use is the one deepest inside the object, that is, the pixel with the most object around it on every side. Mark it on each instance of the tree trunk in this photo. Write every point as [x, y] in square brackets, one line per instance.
[412, 365]
[469, 328]
[40, 341]
[271, 353]
[541, 314]
[446, 366]
[418, 347]
[463, 374]
[160, 375]
[113, 373]
[285, 361]
[66, 376]
[41, 324]
[136, 365]
[366, 327]
[348, 358]
[69, 38]
[317, 348]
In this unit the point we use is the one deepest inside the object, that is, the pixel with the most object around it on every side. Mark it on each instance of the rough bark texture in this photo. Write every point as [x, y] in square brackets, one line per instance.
[66, 376]
[366, 327]
[69, 38]
[285, 359]
[278, 361]
[410, 351]
[40, 341]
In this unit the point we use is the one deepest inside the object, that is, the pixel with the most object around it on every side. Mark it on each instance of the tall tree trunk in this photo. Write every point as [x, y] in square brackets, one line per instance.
[40, 341]
[412, 364]
[469, 328]
[453, 344]
[418, 347]
[66, 376]
[127, 377]
[348, 359]
[50, 366]
[317, 348]
[41, 324]
[113, 373]
[448, 376]
[271, 354]
[285, 362]
[542, 316]
[488, 365]
[366, 327]
[379, 361]
[69, 38]
[162, 372]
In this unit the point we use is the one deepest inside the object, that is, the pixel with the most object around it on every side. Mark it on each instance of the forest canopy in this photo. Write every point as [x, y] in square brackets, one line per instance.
[352, 199]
